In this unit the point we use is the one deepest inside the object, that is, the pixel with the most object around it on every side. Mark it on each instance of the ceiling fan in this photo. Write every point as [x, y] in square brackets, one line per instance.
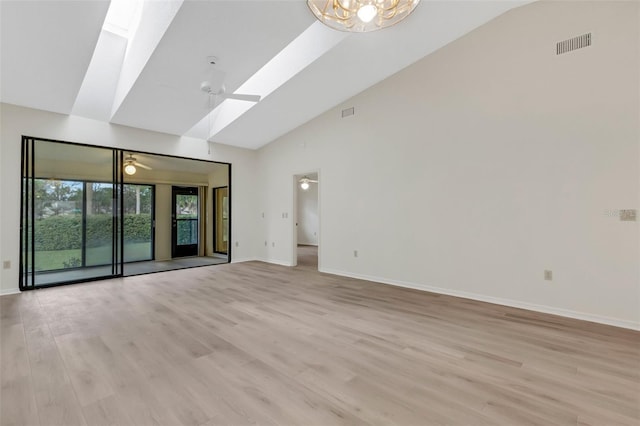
[217, 89]
[130, 163]
[206, 87]
[305, 181]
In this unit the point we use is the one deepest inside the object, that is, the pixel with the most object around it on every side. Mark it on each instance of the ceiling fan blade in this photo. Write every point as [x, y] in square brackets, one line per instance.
[240, 97]
[135, 163]
[312, 181]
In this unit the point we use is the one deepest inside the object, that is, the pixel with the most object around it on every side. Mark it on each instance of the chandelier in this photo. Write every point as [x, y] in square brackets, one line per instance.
[361, 15]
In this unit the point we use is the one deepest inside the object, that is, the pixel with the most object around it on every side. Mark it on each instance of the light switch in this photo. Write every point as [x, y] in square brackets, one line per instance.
[628, 215]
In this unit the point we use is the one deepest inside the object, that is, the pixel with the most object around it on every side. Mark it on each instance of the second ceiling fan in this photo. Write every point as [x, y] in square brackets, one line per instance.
[305, 181]
[130, 163]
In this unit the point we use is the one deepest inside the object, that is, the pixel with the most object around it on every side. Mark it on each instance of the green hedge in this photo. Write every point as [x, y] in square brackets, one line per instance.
[137, 228]
[58, 233]
[65, 232]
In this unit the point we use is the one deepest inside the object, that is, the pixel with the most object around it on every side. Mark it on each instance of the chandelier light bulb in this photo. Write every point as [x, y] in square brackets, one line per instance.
[367, 12]
[130, 169]
[304, 185]
[361, 16]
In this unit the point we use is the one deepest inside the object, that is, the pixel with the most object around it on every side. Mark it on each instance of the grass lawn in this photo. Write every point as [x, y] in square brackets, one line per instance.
[55, 259]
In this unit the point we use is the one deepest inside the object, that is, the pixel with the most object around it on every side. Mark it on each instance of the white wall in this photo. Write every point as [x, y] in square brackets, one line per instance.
[480, 166]
[17, 121]
[308, 215]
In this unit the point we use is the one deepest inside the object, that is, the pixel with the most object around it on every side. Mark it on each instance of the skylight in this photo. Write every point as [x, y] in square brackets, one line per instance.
[125, 44]
[122, 17]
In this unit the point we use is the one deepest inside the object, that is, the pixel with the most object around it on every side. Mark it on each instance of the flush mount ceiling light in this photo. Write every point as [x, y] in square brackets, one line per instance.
[361, 15]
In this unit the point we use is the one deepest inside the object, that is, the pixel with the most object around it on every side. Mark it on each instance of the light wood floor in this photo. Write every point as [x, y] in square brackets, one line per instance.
[262, 344]
[308, 257]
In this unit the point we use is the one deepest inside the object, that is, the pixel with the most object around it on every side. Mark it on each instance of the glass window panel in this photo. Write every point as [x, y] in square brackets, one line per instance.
[58, 224]
[99, 224]
[138, 222]
[186, 206]
[187, 232]
[221, 219]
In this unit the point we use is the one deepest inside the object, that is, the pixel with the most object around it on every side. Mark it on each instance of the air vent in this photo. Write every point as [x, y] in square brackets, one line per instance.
[573, 44]
[347, 112]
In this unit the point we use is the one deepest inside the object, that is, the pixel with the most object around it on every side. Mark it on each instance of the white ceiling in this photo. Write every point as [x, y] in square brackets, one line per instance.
[47, 48]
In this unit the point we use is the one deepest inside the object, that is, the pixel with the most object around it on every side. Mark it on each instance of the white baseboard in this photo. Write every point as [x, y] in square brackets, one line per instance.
[8, 291]
[243, 259]
[496, 300]
[275, 262]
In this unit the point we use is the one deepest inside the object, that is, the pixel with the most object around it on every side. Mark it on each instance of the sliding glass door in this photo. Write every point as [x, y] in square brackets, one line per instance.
[80, 220]
[71, 213]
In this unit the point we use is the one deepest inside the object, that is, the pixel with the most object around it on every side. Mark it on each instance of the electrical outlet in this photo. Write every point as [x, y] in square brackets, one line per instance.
[6, 264]
[548, 275]
[273, 244]
[265, 243]
[355, 253]
[263, 215]
[237, 244]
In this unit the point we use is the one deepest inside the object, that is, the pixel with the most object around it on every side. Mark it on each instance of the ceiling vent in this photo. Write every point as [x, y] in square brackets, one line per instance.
[348, 112]
[573, 44]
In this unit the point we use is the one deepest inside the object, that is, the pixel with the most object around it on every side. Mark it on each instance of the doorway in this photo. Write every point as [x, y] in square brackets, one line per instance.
[307, 221]
[185, 221]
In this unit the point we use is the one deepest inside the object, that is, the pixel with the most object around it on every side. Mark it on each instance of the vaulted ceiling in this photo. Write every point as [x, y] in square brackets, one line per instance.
[74, 57]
